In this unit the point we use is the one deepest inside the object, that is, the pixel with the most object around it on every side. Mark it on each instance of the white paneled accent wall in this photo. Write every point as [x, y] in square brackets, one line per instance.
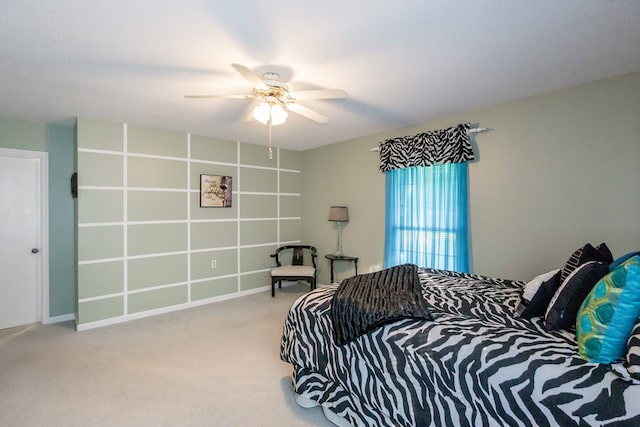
[146, 246]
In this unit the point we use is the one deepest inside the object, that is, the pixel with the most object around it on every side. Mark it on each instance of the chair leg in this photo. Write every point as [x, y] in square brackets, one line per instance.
[312, 284]
[279, 284]
[273, 288]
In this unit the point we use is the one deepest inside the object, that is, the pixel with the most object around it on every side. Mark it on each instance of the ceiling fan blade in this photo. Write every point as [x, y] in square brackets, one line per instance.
[248, 111]
[221, 96]
[305, 112]
[250, 117]
[250, 76]
[319, 94]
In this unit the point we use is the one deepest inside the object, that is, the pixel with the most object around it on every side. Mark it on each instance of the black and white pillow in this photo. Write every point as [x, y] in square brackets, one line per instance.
[633, 352]
[565, 304]
[584, 254]
[604, 254]
[537, 294]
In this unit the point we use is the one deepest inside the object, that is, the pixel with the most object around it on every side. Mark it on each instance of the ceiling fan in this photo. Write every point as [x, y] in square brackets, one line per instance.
[275, 99]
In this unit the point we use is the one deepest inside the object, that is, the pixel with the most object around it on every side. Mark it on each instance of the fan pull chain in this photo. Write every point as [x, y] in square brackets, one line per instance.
[269, 126]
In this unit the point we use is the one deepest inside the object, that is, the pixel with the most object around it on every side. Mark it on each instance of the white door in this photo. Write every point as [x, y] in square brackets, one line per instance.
[20, 239]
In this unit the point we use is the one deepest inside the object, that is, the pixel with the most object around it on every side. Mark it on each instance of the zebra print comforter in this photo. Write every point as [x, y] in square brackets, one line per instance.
[473, 365]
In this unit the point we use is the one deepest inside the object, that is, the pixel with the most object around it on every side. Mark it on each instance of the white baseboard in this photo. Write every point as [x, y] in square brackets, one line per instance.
[165, 310]
[58, 319]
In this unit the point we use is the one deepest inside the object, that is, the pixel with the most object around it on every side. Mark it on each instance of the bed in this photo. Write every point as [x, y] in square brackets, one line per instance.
[474, 363]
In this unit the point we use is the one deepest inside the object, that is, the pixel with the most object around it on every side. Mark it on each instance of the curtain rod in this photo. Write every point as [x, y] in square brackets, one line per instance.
[472, 130]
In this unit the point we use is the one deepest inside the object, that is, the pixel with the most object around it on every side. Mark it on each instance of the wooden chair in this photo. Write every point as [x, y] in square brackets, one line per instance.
[296, 270]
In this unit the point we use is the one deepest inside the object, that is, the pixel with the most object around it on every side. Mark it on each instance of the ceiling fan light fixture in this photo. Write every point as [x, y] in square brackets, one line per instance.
[275, 98]
[264, 110]
[278, 115]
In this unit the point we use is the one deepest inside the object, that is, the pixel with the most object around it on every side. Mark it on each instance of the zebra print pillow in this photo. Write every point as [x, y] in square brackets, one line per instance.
[633, 352]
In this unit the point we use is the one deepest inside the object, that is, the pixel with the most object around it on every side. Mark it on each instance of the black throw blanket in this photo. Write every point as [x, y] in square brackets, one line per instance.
[363, 303]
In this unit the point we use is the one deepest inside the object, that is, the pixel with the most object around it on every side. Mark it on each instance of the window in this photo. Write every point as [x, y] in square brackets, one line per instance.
[426, 217]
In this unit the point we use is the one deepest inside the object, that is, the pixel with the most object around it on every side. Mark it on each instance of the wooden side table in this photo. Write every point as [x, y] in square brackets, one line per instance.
[332, 258]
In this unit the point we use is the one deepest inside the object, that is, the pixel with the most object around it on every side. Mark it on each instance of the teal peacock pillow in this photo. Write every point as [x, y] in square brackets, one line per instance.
[608, 314]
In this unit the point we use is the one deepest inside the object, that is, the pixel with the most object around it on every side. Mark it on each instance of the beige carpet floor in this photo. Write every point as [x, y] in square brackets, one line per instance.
[215, 365]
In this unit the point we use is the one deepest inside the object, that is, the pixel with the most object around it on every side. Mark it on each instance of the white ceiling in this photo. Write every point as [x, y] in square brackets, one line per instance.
[402, 63]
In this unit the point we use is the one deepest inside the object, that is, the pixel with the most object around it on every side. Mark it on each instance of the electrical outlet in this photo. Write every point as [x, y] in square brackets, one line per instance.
[214, 263]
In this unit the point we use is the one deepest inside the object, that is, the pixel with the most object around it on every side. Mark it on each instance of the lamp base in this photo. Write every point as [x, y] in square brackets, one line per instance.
[338, 251]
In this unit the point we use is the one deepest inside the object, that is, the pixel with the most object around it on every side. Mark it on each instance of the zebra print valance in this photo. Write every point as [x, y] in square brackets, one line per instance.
[426, 149]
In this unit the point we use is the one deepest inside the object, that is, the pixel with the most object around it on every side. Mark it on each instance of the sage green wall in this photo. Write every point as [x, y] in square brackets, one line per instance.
[58, 142]
[557, 170]
[146, 246]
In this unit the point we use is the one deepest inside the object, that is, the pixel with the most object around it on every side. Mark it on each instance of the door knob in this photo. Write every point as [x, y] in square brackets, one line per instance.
[35, 250]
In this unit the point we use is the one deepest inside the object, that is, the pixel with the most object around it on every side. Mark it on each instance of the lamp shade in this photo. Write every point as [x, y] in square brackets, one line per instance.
[339, 213]
[264, 110]
[278, 115]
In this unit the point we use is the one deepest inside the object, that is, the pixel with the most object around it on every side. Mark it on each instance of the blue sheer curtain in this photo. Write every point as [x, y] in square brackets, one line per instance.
[427, 217]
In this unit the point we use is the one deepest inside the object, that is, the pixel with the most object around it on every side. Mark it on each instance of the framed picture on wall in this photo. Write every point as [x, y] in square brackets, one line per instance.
[215, 191]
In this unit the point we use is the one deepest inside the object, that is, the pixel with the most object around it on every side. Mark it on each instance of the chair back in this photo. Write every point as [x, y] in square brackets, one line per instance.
[297, 255]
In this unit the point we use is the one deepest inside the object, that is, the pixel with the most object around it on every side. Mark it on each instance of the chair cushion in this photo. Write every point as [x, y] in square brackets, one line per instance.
[293, 271]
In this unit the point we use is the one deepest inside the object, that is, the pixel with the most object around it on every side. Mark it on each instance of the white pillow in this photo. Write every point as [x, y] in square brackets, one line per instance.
[532, 286]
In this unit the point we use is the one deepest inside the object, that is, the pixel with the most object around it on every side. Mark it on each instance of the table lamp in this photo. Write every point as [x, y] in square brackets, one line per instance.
[339, 214]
